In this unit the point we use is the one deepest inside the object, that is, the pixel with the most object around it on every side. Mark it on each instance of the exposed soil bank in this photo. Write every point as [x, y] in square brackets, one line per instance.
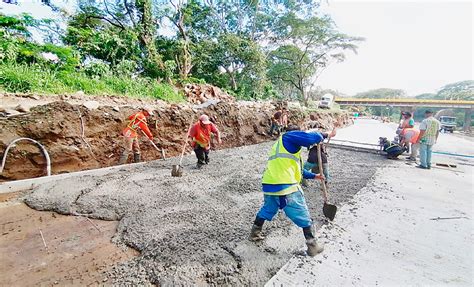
[193, 229]
[79, 138]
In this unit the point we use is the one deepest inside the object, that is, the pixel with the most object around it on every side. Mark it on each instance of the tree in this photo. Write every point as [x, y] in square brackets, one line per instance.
[101, 40]
[382, 93]
[457, 91]
[312, 44]
[114, 30]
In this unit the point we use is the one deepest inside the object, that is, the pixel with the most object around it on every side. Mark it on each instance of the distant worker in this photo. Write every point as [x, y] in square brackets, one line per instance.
[281, 188]
[429, 132]
[312, 123]
[406, 122]
[311, 163]
[200, 134]
[136, 122]
[276, 123]
[409, 138]
[284, 119]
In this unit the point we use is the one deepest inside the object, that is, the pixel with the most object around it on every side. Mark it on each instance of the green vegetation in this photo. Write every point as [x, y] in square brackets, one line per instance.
[24, 78]
[252, 49]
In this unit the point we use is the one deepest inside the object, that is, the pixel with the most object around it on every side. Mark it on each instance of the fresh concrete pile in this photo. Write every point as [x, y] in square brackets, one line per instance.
[193, 229]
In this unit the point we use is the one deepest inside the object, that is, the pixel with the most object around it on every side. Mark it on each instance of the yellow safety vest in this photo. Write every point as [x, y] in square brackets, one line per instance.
[283, 167]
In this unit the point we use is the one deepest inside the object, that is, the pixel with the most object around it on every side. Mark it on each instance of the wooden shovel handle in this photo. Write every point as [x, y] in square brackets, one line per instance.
[320, 165]
[185, 141]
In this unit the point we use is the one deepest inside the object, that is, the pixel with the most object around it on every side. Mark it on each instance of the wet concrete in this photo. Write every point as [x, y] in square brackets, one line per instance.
[193, 229]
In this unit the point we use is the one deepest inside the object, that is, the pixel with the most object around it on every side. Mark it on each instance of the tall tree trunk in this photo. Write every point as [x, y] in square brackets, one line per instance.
[302, 90]
[147, 35]
[185, 65]
[233, 82]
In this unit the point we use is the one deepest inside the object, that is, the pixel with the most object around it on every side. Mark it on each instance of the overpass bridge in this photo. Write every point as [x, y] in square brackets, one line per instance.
[410, 105]
[405, 103]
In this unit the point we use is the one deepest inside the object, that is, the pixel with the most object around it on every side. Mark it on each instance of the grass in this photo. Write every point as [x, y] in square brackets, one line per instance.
[24, 78]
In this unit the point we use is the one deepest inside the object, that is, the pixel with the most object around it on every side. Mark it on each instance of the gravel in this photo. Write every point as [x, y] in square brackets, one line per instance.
[193, 229]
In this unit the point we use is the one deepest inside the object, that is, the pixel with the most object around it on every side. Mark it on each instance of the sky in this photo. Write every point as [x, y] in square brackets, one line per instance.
[418, 46]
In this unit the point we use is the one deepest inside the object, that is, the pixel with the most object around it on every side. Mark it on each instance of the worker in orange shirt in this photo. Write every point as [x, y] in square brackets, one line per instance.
[200, 134]
[409, 139]
[136, 122]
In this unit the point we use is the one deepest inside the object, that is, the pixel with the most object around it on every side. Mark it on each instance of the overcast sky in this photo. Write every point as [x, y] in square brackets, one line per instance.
[417, 46]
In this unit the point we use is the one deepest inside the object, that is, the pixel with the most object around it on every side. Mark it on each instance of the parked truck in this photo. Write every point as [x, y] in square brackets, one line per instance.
[448, 124]
[326, 101]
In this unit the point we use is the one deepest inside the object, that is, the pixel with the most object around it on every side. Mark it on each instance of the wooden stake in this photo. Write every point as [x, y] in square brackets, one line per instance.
[42, 237]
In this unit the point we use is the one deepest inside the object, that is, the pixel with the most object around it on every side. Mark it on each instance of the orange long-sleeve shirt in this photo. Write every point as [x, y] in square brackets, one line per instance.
[137, 121]
[202, 134]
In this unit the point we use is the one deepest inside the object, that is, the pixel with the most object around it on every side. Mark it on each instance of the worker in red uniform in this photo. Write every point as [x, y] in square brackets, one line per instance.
[136, 122]
[200, 134]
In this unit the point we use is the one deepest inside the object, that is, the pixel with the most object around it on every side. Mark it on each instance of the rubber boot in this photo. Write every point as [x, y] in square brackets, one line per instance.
[136, 157]
[256, 233]
[123, 158]
[313, 247]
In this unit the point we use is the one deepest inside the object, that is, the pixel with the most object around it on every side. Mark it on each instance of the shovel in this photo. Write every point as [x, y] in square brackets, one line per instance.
[162, 151]
[163, 156]
[329, 210]
[177, 169]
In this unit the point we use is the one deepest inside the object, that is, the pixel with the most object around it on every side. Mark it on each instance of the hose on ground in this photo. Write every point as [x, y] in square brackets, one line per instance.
[43, 150]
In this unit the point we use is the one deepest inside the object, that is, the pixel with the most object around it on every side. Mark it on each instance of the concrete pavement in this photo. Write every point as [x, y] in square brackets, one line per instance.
[389, 234]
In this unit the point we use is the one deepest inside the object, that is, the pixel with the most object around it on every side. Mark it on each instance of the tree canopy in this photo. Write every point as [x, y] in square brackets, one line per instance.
[253, 49]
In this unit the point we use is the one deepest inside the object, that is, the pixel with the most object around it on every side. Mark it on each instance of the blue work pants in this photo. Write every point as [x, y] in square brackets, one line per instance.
[294, 206]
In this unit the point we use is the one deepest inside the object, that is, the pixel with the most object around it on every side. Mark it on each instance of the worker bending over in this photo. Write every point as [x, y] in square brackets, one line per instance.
[200, 134]
[312, 161]
[130, 134]
[281, 185]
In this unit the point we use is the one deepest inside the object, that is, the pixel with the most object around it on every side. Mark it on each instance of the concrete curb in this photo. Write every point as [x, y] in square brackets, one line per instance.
[25, 184]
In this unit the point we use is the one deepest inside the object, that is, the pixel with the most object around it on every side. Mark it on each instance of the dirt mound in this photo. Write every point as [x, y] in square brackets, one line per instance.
[193, 230]
[79, 138]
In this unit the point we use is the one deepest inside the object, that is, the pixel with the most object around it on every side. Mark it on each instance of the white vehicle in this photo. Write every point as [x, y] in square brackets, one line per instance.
[326, 101]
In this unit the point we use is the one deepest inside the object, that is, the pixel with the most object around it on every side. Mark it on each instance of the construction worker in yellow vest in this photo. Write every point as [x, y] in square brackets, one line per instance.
[281, 185]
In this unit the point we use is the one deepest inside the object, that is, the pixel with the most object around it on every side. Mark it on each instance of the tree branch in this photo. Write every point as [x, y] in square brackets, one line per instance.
[129, 13]
[105, 19]
[113, 16]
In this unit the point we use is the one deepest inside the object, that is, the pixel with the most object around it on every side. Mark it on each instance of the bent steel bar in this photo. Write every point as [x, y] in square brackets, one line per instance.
[43, 150]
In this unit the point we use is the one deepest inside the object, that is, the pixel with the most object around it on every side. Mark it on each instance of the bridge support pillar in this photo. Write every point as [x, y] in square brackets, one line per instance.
[467, 120]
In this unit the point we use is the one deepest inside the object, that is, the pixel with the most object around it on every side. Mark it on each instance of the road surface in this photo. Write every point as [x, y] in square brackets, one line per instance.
[408, 226]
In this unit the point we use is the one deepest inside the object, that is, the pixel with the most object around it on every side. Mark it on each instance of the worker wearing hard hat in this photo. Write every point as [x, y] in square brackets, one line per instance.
[281, 185]
[200, 134]
[136, 122]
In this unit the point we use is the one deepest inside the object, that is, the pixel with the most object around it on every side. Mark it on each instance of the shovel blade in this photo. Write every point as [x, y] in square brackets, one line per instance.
[329, 210]
[176, 170]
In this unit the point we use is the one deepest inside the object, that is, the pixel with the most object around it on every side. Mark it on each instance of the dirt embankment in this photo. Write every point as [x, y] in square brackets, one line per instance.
[79, 137]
